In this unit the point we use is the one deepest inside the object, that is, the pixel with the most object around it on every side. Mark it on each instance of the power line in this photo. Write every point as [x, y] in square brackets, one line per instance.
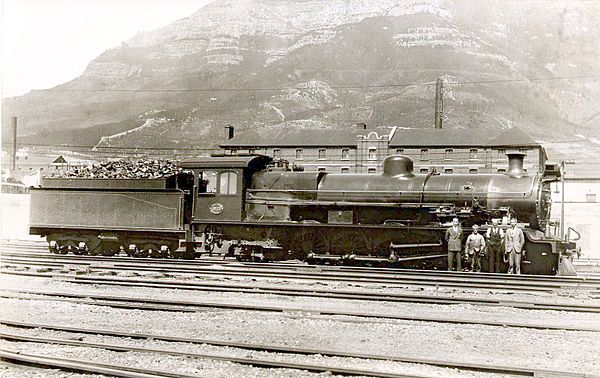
[274, 89]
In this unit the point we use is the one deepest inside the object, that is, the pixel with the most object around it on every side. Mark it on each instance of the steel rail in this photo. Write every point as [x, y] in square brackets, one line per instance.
[189, 306]
[291, 265]
[183, 264]
[365, 295]
[521, 371]
[256, 362]
[84, 366]
[401, 278]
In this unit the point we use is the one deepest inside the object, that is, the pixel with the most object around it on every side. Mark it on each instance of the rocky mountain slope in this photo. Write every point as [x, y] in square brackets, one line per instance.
[266, 64]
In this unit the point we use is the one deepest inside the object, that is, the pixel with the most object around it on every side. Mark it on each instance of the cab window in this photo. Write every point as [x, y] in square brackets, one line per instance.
[228, 183]
[207, 182]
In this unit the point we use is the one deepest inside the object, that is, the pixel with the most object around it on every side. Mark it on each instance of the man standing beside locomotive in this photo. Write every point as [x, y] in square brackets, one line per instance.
[495, 238]
[513, 243]
[453, 237]
[474, 249]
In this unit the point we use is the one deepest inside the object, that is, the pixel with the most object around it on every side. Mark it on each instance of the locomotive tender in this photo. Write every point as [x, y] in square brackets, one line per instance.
[264, 211]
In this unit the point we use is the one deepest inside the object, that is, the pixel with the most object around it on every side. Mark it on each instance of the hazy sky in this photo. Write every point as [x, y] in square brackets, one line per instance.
[49, 42]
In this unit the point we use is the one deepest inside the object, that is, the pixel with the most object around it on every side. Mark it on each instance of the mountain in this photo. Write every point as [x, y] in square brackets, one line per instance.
[265, 64]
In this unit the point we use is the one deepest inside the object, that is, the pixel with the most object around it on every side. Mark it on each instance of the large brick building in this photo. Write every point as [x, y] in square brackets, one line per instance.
[362, 149]
[351, 150]
[466, 151]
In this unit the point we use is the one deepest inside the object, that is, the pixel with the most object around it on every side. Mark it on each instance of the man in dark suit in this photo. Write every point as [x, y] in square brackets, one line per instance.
[454, 236]
[513, 242]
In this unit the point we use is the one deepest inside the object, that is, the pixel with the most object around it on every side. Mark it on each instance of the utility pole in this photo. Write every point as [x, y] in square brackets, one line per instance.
[562, 200]
[563, 174]
[439, 103]
[13, 152]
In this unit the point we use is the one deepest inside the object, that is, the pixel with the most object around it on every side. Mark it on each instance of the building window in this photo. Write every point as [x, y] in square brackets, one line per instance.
[321, 169]
[448, 154]
[424, 154]
[448, 170]
[473, 154]
[372, 170]
[502, 152]
[276, 153]
[472, 170]
[424, 170]
[322, 154]
[228, 183]
[345, 170]
[208, 182]
[299, 153]
[590, 197]
[501, 170]
[400, 151]
[345, 154]
[372, 153]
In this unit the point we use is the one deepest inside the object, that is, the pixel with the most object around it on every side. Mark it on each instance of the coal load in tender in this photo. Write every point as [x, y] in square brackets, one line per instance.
[124, 169]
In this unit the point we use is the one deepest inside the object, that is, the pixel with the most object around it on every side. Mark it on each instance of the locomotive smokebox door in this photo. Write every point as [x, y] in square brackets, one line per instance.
[340, 217]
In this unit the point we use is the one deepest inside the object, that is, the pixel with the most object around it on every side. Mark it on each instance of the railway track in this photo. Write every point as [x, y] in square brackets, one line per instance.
[252, 361]
[195, 266]
[363, 295]
[128, 302]
[316, 273]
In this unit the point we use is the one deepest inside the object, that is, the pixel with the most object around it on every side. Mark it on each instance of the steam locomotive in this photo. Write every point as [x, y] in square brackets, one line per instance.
[258, 209]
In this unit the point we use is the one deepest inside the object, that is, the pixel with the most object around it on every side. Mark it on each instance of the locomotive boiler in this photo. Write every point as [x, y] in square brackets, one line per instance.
[259, 210]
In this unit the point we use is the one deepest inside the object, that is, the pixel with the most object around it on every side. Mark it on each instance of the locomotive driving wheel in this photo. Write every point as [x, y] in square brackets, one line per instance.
[347, 242]
[302, 242]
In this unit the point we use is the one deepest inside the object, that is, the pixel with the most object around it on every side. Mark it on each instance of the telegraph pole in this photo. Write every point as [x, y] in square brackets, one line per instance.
[13, 152]
[439, 103]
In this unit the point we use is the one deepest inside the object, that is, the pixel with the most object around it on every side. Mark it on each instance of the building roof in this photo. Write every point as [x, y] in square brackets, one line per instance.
[461, 138]
[60, 160]
[295, 138]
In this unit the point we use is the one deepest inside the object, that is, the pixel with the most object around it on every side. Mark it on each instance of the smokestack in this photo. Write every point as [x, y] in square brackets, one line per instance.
[439, 103]
[515, 164]
[13, 152]
[230, 131]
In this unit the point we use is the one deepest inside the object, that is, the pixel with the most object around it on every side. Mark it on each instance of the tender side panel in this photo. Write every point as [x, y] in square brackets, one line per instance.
[111, 210]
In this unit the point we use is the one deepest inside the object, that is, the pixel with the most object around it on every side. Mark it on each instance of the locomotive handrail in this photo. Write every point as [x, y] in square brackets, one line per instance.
[470, 193]
[268, 201]
[568, 239]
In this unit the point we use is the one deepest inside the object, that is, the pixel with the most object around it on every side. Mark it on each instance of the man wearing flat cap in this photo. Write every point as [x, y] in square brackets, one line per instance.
[474, 248]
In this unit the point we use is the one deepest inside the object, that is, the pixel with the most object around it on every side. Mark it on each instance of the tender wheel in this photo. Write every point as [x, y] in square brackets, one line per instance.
[53, 246]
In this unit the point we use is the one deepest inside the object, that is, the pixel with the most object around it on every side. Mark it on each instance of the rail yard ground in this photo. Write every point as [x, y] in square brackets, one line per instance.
[191, 332]
[303, 322]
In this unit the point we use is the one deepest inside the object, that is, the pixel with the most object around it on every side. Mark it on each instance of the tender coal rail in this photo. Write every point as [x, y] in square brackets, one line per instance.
[194, 306]
[495, 369]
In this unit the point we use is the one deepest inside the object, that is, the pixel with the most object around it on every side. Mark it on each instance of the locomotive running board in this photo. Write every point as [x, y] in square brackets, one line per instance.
[417, 245]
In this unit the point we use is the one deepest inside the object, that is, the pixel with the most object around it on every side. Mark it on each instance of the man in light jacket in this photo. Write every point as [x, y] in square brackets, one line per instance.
[474, 247]
[513, 242]
[454, 236]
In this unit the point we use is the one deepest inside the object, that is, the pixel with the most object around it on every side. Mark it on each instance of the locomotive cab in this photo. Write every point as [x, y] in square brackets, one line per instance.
[220, 183]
